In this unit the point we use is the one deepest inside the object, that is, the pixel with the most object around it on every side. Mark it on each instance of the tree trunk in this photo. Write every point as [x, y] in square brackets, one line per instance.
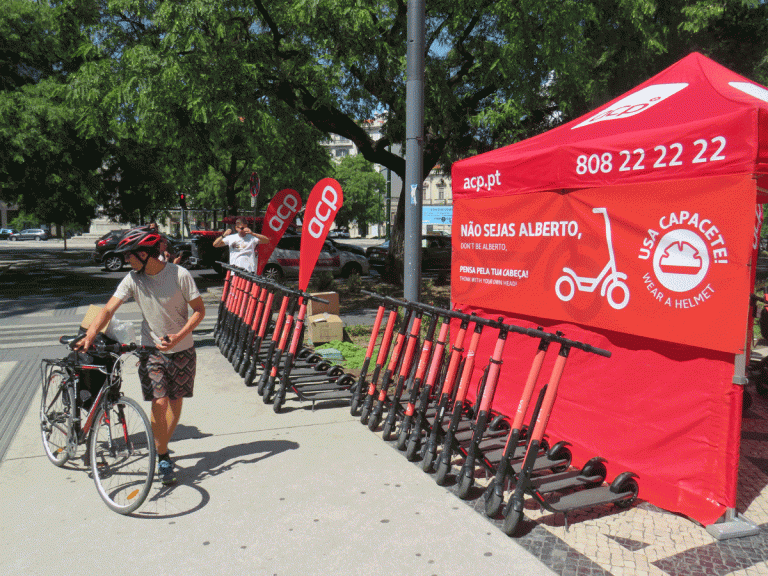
[393, 271]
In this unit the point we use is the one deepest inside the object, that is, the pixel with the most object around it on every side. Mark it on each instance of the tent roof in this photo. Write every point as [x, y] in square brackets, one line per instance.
[696, 118]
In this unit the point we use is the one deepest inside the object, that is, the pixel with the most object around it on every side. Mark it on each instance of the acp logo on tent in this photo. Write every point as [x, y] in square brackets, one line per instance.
[635, 103]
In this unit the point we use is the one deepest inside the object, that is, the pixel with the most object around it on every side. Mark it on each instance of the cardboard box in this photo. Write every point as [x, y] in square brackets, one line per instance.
[90, 316]
[332, 307]
[325, 328]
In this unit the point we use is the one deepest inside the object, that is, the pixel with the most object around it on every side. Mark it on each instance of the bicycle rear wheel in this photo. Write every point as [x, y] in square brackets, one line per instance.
[122, 450]
[56, 408]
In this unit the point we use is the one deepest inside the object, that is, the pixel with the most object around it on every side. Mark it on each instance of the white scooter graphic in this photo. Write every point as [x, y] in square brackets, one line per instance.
[612, 279]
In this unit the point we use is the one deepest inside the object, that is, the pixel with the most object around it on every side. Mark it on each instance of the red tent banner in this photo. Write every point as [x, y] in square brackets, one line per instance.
[280, 213]
[628, 258]
[633, 228]
[323, 204]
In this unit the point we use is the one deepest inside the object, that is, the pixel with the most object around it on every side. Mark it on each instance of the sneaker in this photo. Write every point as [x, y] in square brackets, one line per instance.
[167, 475]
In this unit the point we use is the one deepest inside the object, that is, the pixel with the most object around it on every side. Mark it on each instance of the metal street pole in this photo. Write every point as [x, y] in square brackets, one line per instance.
[414, 152]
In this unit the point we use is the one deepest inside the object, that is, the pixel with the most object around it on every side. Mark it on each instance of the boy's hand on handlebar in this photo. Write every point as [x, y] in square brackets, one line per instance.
[83, 344]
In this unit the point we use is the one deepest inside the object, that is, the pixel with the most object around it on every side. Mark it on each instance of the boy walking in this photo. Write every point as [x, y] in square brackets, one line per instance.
[164, 292]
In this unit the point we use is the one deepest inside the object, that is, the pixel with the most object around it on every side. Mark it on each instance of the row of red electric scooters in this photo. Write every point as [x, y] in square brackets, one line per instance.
[260, 330]
[417, 387]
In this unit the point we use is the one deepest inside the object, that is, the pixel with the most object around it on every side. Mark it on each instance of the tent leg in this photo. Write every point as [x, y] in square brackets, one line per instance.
[733, 525]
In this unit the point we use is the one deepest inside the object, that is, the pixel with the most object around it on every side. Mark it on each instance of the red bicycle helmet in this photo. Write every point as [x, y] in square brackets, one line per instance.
[139, 240]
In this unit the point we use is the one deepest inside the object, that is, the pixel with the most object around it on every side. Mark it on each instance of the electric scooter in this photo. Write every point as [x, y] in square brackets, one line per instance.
[622, 491]
[394, 362]
[412, 385]
[405, 368]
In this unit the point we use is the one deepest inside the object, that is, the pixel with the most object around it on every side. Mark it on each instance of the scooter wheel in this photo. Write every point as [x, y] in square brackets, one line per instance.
[354, 405]
[386, 431]
[466, 481]
[322, 366]
[560, 452]
[499, 423]
[304, 353]
[335, 370]
[511, 522]
[346, 381]
[493, 500]
[412, 450]
[427, 460]
[278, 403]
[402, 437]
[625, 483]
[364, 414]
[594, 469]
[373, 420]
[443, 469]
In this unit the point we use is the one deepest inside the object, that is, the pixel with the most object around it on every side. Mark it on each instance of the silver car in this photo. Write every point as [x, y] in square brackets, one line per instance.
[30, 234]
[284, 262]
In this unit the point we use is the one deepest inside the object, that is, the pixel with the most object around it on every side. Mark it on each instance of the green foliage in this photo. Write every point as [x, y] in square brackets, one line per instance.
[123, 103]
[364, 191]
[354, 355]
[354, 284]
[322, 282]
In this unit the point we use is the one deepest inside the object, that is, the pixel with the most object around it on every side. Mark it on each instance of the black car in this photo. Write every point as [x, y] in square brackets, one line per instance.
[113, 262]
[6, 232]
[435, 254]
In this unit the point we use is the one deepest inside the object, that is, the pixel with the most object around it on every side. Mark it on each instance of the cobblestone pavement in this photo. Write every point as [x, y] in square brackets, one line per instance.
[648, 541]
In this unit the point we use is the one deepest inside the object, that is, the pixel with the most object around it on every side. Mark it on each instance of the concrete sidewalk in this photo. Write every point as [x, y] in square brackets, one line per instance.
[299, 492]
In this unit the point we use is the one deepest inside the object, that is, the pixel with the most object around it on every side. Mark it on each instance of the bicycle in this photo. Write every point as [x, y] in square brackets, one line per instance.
[115, 429]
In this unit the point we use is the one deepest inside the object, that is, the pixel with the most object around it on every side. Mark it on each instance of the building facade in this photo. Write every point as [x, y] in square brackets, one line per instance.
[436, 188]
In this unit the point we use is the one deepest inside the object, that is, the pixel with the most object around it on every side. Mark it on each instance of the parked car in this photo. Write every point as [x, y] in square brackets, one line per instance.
[6, 232]
[339, 233]
[377, 256]
[104, 252]
[435, 254]
[30, 234]
[284, 262]
[348, 247]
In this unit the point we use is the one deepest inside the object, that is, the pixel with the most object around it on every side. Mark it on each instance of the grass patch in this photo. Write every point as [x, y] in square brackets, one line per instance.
[354, 354]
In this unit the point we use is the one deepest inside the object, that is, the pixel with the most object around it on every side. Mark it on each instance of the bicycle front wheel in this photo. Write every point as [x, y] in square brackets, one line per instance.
[56, 408]
[122, 450]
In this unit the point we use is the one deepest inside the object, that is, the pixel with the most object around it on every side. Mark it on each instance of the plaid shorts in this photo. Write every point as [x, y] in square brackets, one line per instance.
[168, 375]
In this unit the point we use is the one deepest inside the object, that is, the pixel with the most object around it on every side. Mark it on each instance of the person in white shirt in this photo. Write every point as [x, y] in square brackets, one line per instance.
[242, 245]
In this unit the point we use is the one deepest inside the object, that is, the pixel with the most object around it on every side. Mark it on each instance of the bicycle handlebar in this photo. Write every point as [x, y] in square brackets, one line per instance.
[100, 348]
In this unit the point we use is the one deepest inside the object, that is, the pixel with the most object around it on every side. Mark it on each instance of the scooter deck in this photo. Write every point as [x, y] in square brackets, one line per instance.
[563, 481]
[542, 462]
[586, 498]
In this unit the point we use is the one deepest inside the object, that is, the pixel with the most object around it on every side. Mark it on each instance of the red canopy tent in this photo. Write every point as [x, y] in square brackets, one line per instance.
[633, 228]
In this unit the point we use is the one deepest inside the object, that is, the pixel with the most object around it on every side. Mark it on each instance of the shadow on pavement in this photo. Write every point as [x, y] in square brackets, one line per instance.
[188, 495]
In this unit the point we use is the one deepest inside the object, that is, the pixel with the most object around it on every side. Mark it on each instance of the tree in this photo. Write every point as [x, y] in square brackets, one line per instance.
[194, 108]
[496, 71]
[363, 189]
[46, 167]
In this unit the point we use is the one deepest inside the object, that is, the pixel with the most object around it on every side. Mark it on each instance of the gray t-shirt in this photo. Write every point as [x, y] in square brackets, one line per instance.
[164, 302]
